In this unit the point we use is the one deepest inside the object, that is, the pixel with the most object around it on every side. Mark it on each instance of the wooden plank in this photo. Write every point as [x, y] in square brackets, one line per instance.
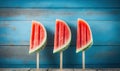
[101, 69]
[58, 3]
[18, 32]
[21, 69]
[53, 69]
[66, 14]
[85, 69]
[96, 57]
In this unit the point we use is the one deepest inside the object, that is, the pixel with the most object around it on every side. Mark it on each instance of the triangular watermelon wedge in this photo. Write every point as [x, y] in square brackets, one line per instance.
[62, 36]
[38, 37]
[84, 35]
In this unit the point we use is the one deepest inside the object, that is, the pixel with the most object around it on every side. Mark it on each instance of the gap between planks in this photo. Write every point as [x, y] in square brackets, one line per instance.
[55, 69]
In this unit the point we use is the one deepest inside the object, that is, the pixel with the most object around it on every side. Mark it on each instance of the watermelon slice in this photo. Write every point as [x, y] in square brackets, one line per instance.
[62, 36]
[38, 37]
[84, 36]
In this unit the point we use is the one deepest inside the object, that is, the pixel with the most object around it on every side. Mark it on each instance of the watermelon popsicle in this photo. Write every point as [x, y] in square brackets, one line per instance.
[84, 38]
[38, 39]
[62, 38]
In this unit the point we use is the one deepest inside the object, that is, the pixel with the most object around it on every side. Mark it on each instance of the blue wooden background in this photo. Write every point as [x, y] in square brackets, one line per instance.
[15, 24]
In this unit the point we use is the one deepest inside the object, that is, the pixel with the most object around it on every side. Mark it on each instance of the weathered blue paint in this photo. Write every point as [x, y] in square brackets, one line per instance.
[65, 14]
[96, 56]
[59, 3]
[15, 24]
[18, 32]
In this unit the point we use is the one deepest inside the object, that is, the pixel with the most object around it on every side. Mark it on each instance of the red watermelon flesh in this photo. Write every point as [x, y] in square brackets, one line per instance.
[84, 36]
[38, 37]
[62, 36]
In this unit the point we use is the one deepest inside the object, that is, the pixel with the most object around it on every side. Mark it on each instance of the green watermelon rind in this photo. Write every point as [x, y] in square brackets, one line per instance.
[38, 48]
[43, 44]
[64, 47]
[42, 47]
[87, 45]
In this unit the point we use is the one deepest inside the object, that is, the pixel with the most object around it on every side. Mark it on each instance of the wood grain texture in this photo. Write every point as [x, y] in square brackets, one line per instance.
[55, 69]
[22, 69]
[59, 3]
[65, 14]
[15, 24]
[52, 69]
[96, 56]
[18, 32]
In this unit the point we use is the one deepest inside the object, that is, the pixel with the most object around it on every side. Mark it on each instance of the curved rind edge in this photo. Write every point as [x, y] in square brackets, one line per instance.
[38, 48]
[85, 47]
[67, 44]
[63, 48]
[43, 44]
[89, 44]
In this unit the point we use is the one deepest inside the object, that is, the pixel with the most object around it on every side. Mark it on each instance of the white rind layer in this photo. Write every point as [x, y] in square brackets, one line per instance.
[65, 46]
[89, 43]
[84, 47]
[42, 44]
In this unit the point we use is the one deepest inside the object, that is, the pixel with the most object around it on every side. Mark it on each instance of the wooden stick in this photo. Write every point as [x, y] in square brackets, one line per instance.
[61, 57]
[37, 56]
[83, 60]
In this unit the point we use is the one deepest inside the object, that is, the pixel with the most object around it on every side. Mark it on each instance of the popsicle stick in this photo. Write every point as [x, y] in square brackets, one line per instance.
[37, 57]
[61, 57]
[83, 60]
